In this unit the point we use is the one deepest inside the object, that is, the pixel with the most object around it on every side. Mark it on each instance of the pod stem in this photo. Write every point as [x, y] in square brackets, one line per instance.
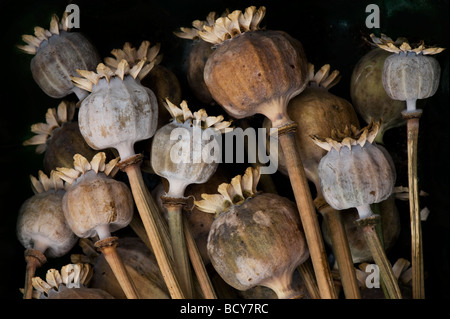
[34, 259]
[197, 263]
[341, 248]
[306, 209]
[148, 212]
[368, 224]
[307, 273]
[418, 281]
[108, 248]
[181, 258]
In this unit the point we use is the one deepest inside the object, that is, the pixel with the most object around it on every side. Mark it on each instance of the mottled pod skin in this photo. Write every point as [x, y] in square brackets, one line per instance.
[77, 293]
[166, 149]
[368, 94]
[96, 200]
[258, 242]
[41, 219]
[247, 73]
[57, 59]
[117, 114]
[410, 76]
[355, 177]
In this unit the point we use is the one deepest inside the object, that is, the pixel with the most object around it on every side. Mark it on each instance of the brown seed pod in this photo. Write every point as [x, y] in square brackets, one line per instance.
[256, 239]
[69, 283]
[251, 70]
[60, 138]
[58, 54]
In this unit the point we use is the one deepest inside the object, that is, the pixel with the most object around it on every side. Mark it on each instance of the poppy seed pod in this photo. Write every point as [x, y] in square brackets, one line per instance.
[119, 111]
[181, 153]
[355, 172]
[409, 74]
[251, 69]
[69, 283]
[256, 238]
[95, 203]
[58, 54]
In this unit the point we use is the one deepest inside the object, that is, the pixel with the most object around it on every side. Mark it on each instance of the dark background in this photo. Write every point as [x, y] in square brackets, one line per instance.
[330, 31]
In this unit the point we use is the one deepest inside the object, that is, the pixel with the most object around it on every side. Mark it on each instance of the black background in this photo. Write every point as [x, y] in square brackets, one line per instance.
[330, 31]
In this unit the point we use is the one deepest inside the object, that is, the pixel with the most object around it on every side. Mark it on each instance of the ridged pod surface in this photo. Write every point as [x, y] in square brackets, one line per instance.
[57, 60]
[356, 176]
[246, 73]
[257, 242]
[117, 114]
[96, 200]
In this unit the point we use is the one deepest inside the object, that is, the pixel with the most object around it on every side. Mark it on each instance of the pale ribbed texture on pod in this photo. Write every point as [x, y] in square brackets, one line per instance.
[41, 224]
[355, 172]
[58, 54]
[410, 77]
[95, 199]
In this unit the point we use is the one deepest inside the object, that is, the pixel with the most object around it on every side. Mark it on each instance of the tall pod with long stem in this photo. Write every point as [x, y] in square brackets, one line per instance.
[410, 74]
[95, 204]
[118, 113]
[319, 112]
[356, 173]
[184, 154]
[258, 71]
[41, 226]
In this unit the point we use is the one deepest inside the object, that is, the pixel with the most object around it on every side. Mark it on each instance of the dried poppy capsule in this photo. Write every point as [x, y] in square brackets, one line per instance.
[59, 138]
[139, 262]
[118, 113]
[160, 79]
[199, 53]
[69, 283]
[259, 71]
[58, 53]
[256, 238]
[41, 226]
[368, 95]
[251, 70]
[410, 74]
[356, 173]
[95, 205]
[183, 155]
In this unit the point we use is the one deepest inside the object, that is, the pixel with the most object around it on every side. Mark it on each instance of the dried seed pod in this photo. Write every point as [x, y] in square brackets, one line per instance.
[182, 155]
[199, 53]
[257, 238]
[356, 173]
[41, 226]
[96, 205]
[119, 111]
[160, 80]
[69, 283]
[177, 154]
[58, 53]
[60, 138]
[368, 95]
[251, 70]
[139, 262]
